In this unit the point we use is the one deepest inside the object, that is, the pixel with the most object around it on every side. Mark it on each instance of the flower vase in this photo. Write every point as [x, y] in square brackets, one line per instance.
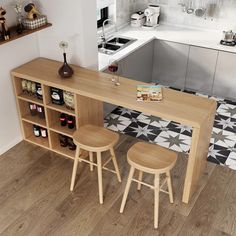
[65, 71]
[19, 26]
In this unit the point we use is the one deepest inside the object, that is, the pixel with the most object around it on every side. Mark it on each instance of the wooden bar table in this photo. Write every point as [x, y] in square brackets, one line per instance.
[92, 88]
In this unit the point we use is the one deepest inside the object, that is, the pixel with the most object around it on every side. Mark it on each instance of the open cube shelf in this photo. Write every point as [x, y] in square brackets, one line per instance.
[51, 122]
[29, 135]
[55, 137]
[54, 123]
[86, 110]
[26, 116]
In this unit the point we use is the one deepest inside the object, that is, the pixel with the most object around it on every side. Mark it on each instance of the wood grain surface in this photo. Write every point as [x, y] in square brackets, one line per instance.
[35, 199]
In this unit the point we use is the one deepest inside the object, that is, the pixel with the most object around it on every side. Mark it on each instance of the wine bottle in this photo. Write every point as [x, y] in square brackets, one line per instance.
[36, 130]
[63, 140]
[41, 112]
[71, 144]
[71, 122]
[33, 109]
[39, 91]
[63, 119]
[43, 132]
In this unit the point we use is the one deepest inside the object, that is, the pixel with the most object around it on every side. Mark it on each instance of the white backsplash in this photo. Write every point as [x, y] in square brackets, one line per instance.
[171, 13]
[123, 11]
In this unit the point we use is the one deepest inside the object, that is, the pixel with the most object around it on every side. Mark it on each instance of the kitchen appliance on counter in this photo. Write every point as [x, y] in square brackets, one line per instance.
[138, 19]
[152, 14]
[228, 38]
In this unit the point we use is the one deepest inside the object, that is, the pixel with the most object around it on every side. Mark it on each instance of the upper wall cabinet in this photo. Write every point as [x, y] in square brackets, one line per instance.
[225, 78]
[170, 63]
[201, 69]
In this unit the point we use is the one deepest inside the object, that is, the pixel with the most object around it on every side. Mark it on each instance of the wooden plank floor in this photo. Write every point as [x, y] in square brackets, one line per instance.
[35, 199]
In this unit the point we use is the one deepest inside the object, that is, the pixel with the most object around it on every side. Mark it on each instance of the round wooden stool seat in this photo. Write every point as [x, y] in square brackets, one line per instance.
[95, 138]
[151, 158]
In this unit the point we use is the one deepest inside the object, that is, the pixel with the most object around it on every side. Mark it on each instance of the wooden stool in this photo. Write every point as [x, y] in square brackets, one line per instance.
[152, 159]
[95, 139]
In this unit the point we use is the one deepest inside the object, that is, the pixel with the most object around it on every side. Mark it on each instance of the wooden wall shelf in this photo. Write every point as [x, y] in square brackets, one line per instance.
[26, 32]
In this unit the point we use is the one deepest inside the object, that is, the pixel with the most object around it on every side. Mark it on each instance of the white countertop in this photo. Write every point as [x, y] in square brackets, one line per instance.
[201, 38]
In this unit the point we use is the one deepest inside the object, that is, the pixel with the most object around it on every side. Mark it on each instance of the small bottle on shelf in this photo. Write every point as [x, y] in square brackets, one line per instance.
[24, 86]
[63, 140]
[41, 112]
[33, 109]
[71, 144]
[29, 83]
[43, 132]
[63, 119]
[33, 89]
[71, 122]
[36, 130]
[57, 96]
[39, 91]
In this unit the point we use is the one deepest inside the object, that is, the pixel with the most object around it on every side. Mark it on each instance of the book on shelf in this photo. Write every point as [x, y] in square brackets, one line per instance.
[149, 93]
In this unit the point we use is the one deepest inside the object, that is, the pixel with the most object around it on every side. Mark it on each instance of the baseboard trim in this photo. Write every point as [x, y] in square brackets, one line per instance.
[10, 145]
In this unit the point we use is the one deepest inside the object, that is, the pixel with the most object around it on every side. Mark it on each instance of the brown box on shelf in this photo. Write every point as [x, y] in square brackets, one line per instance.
[36, 23]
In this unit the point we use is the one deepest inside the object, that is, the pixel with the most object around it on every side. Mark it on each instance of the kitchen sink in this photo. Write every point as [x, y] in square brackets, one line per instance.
[118, 40]
[114, 45]
[108, 46]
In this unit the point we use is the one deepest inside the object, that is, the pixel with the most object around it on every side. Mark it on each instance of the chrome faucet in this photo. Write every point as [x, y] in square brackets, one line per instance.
[103, 37]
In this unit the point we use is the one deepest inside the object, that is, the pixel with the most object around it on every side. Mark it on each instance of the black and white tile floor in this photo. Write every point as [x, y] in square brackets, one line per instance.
[177, 137]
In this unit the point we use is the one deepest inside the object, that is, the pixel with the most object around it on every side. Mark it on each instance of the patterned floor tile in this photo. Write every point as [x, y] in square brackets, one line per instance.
[116, 123]
[228, 110]
[231, 160]
[142, 131]
[177, 137]
[217, 154]
[223, 138]
[225, 123]
[174, 141]
[178, 128]
[126, 112]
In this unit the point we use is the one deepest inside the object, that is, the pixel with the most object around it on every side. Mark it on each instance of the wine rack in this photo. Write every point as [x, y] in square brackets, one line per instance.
[51, 122]
[43, 73]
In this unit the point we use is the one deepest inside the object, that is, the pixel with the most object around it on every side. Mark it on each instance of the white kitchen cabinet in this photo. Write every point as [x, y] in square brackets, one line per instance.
[225, 77]
[201, 69]
[170, 63]
[138, 65]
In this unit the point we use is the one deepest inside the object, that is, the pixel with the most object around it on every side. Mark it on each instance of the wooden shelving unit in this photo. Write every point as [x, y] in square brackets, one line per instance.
[28, 98]
[60, 108]
[87, 110]
[29, 136]
[51, 122]
[26, 32]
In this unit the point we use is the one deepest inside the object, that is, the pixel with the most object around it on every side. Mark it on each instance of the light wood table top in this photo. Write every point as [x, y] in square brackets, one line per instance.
[176, 106]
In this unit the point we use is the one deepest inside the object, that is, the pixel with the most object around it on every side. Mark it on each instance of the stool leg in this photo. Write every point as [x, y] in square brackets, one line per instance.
[91, 160]
[74, 169]
[169, 187]
[156, 199]
[140, 178]
[131, 173]
[113, 156]
[99, 168]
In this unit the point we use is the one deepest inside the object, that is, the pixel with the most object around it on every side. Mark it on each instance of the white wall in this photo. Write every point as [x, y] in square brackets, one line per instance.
[74, 21]
[12, 54]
